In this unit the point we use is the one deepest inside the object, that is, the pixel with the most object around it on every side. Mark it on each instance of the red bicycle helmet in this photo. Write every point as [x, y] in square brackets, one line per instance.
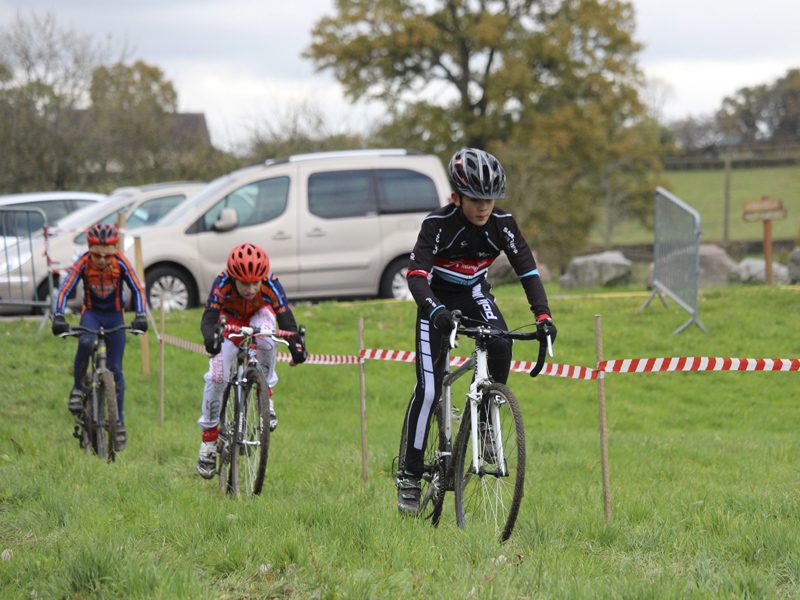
[249, 263]
[102, 234]
[477, 174]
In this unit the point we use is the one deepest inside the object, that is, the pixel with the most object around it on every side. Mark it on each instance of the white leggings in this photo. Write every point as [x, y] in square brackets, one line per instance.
[219, 368]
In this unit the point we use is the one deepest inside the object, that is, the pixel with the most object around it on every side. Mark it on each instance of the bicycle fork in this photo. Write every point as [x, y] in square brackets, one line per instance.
[476, 396]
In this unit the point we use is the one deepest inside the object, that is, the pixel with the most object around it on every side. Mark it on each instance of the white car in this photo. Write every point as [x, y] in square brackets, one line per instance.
[24, 270]
[334, 224]
[20, 220]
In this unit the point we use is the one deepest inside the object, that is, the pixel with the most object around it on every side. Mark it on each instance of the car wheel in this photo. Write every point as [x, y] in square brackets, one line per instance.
[393, 282]
[170, 286]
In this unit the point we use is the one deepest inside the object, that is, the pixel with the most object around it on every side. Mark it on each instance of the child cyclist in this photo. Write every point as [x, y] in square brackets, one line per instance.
[102, 269]
[447, 271]
[245, 293]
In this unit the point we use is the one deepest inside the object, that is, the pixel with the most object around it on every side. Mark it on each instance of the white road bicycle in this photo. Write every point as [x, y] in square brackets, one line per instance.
[484, 464]
[243, 442]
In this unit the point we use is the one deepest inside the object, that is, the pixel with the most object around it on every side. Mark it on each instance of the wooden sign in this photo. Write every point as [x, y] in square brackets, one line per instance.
[764, 209]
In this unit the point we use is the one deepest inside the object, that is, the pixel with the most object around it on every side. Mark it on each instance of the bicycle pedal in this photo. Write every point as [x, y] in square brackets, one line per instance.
[76, 431]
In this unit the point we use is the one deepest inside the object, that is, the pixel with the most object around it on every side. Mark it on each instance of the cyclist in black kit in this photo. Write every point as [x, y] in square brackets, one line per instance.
[447, 271]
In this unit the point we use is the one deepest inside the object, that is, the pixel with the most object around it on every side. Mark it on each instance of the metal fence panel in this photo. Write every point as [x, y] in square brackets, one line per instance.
[676, 254]
[19, 279]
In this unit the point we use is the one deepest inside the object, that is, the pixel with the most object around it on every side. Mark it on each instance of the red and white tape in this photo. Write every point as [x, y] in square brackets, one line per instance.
[698, 363]
[627, 365]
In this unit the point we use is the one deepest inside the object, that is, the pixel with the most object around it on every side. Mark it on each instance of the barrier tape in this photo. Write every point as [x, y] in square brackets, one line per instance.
[698, 363]
[627, 365]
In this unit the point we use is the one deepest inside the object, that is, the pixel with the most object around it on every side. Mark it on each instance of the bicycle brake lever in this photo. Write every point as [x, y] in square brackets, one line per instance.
[550, 346]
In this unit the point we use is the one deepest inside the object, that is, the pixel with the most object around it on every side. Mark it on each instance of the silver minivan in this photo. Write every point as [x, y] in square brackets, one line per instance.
[334, 224]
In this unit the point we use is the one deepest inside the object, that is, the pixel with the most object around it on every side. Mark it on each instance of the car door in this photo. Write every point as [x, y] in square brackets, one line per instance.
[266, 216]
[339, 232]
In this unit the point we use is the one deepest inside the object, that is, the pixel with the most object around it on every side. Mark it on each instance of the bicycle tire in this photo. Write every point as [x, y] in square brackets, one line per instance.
[434, 475]
[225, 441]
[489, 498]
[109, 391]
[254, 447]
[102, 445]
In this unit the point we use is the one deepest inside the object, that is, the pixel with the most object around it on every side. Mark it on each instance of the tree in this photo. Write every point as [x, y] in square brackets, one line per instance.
[298, 129]
[132, 110]
[767, 112]
[551, 87]
[43, 79]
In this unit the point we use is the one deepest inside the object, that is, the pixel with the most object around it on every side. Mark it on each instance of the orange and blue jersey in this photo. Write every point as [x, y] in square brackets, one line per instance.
[225, 299]
[103, 290]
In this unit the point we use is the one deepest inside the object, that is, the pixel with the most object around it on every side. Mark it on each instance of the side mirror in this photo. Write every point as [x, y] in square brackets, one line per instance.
[227, 220]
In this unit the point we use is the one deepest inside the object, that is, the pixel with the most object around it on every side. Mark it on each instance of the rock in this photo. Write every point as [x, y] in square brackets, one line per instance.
[794, 266]
[752, 270]
[597, 270]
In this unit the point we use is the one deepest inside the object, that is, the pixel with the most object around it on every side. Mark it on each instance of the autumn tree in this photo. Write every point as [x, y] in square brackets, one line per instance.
[551, 87]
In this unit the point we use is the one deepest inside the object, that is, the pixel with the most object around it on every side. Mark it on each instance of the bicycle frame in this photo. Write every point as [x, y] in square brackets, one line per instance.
[478, 364]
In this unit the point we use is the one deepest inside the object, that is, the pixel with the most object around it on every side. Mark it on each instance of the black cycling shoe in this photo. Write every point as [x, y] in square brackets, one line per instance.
[75, 402]
[122, 438]
[408, 493]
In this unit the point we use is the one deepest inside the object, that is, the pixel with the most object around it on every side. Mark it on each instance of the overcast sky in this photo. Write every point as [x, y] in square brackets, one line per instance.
[239, 60]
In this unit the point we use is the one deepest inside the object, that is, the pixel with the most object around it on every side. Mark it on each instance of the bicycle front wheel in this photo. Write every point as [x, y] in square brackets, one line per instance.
[434, 472]
[254, 446]
[108, 394]
[487, 493]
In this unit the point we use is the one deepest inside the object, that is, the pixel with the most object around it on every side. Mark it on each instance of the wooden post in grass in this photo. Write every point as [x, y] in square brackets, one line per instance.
[161, 368]
[601, 401]
[363, 386]
[144, 341]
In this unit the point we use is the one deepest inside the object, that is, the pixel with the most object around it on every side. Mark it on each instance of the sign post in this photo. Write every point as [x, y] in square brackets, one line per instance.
[766, 210]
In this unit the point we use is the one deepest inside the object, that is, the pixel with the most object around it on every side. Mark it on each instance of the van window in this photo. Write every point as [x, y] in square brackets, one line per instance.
[341, 194]
[402, 190]
[254, 203]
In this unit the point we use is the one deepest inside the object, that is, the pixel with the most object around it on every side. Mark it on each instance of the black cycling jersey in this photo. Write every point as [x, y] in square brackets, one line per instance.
[451, 254]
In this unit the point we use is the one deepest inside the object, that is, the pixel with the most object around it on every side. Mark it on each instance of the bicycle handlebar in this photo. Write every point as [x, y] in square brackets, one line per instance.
[79, 330]
[483, 330]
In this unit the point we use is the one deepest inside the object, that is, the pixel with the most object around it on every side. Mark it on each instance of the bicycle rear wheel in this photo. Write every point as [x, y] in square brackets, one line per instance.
[254, 447]
[492, 494]
[108, 392]
[434, 480]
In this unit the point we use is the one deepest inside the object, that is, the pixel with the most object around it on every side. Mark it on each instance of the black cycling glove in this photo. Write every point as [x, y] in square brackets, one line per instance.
[544, 324]
[443, 321]
[59, 325]
[297, 347]
[140, 322]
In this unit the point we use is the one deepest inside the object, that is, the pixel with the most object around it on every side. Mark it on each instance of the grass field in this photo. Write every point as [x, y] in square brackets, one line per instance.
[704, 190]
[705, 471]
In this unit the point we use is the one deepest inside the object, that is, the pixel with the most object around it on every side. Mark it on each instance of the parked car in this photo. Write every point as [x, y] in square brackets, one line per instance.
[54, 205]
[23, 271]
[334, 224]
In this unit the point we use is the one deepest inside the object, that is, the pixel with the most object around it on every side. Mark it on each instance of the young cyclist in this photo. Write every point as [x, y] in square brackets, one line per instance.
[447, 271]
[103, 269]
[245, 293]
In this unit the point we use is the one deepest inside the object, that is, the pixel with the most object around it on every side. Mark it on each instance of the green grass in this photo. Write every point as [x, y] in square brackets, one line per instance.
[704, 471]
[704, 191]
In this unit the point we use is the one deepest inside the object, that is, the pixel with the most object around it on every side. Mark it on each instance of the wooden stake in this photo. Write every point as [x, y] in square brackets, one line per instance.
[144, 340]
[768, 252]
[363, 386]
[601, 401]
[161, 368]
